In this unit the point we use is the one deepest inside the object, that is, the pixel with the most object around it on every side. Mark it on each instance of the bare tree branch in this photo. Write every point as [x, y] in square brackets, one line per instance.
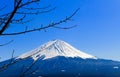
[30, 67]
[9, 19]
[20, 19]
[48, 26]
[5, 15]
[37, 12]
[12, 56]
[28, 3]
[65, 27]
[6, 43]
[42, 8]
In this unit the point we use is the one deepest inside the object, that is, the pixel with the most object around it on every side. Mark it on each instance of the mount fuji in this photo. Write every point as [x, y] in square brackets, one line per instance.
[56, 48]
[58, 59]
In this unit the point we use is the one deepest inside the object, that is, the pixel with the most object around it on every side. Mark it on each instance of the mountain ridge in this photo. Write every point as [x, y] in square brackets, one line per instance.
[56, 48]
[33, 64]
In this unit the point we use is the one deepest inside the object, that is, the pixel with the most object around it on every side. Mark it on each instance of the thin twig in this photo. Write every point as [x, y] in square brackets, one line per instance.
[45, 27]
[42, 8]
[6, 43]
[12, 56]
[37, 12]
[30, 67]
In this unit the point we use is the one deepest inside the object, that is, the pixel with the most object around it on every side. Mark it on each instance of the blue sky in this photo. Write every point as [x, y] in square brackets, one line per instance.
[97, 32]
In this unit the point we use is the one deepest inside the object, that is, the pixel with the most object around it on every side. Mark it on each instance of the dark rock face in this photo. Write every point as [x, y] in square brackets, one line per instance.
[64, 67]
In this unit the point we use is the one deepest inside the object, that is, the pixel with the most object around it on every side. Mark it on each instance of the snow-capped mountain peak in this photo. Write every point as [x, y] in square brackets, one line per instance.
[55, 48]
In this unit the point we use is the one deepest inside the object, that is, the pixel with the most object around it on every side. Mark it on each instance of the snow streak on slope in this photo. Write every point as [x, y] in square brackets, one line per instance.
[56, 48]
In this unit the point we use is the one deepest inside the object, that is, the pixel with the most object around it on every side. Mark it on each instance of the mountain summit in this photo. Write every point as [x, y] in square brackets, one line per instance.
[55, 48]
[58, 59]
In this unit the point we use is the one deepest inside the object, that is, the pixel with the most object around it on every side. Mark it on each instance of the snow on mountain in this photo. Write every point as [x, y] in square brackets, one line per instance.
[55, 48]
[40, 63]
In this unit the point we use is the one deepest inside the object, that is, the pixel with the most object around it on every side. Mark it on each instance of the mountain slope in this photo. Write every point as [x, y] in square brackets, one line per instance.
[61, 66]
[58, 59]
[56, 48]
